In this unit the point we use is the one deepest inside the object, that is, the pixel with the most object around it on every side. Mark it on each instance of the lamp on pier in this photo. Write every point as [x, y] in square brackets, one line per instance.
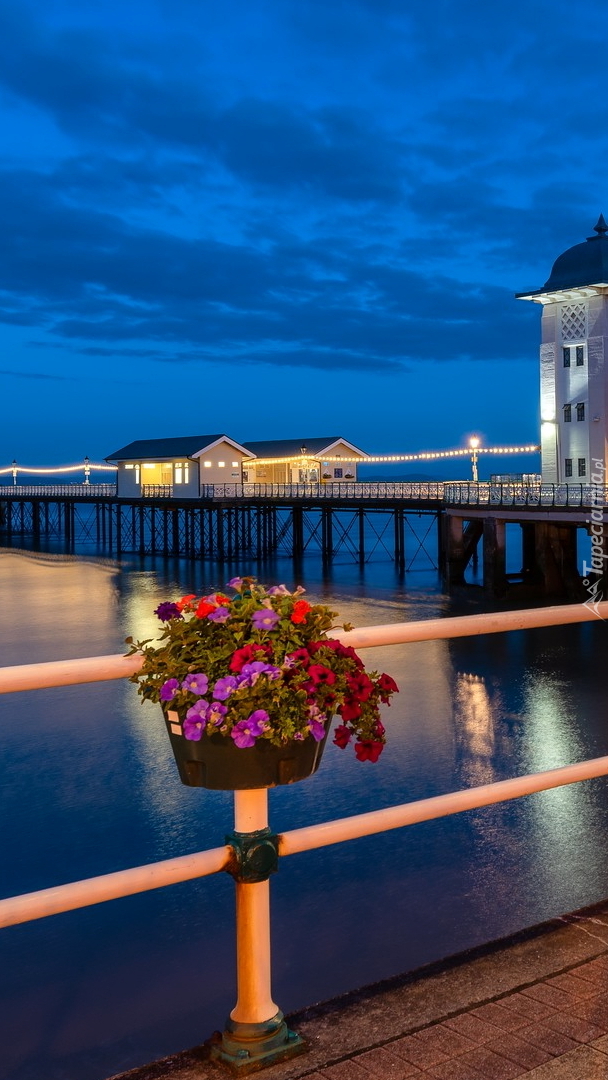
[304, 465]
[14, 468]
[474, 444]
[87, 471]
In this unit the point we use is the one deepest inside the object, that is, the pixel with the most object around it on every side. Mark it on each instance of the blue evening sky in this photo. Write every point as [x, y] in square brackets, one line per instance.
[287, 218]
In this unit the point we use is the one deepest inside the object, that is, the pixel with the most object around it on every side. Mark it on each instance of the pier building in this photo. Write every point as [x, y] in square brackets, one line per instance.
[186, 466]
[573, 374]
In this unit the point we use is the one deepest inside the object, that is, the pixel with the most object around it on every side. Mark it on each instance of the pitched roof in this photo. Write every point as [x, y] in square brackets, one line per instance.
[293, 447]
[185, 446]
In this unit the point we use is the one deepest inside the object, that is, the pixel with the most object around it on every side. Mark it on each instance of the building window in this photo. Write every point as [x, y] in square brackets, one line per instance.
[580, 411]
[567, 414]
[338, 473]
[582, 466]
[580, 355]
[182, 472]
[566, 355]
[568, 469]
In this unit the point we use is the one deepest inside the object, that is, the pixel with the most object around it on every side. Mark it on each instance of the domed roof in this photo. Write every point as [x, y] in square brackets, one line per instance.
[583, 264]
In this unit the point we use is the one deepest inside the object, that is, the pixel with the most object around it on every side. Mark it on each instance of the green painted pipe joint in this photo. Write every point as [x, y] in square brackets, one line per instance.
[255, 855]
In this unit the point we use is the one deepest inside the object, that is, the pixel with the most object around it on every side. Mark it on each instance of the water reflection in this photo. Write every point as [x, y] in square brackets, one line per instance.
[90, 786]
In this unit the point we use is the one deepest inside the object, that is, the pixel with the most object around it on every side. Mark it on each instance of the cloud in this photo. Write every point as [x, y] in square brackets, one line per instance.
[32, 375]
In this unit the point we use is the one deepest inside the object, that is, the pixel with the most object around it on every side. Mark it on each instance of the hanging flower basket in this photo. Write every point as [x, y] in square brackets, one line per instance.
[217, 762]
[249, 685]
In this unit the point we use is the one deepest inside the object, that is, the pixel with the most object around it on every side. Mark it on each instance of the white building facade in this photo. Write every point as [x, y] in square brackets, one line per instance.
[573, 354]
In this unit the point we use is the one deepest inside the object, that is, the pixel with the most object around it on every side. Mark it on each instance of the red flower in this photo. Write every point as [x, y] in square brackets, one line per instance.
[360, 686]
[368, 749]
[321, 674]
[337, 647]
[386, 686]
[379, 729]
[243, 656]
[204, 609]
[300, 657]
[350, 711]
[185, 601]
[300, 611]
[342, 736]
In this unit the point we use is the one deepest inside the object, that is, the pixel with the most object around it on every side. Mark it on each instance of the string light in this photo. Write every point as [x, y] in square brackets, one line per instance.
[364, 459]
[423, 455]
[58, 469]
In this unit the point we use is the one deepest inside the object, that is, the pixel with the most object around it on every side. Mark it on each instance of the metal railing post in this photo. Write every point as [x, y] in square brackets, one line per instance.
[256, 1033]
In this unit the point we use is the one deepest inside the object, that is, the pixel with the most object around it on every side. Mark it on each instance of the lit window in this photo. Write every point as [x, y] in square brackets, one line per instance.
[148, 465]
[222, 464]
[582, 466]
[568, 464]
[566, 355]
[234, 464]
[567, 414]
[207, 464]
[580, 411]
[580, 355]
[129, 466]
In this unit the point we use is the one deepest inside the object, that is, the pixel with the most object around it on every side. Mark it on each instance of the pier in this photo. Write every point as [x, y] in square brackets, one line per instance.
[358, 521]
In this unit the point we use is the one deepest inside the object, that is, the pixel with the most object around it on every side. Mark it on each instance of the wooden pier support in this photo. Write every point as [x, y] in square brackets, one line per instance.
[494, 556]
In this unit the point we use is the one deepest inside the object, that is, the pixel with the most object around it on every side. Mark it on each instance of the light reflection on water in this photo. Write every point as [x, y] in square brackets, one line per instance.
[89, 787]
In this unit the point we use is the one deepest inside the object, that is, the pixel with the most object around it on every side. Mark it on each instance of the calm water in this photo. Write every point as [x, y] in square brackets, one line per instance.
[89, 787]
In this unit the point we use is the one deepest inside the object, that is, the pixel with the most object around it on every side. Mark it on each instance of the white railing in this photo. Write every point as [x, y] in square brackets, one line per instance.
[254, 1002]
[431, 492]
[467, 493]
[93, 491]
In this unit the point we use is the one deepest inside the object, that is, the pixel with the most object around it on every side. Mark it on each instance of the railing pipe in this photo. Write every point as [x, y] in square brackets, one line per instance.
[116, 666]
[456, 802]
[366, 637]
[254, 998]
[67, 672]
[78, 894]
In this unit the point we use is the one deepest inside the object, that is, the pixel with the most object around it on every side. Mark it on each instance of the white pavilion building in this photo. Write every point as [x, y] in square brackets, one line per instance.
[573, 354]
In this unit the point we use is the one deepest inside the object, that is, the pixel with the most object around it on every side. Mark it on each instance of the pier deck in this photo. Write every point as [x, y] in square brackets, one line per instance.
[535, 1005]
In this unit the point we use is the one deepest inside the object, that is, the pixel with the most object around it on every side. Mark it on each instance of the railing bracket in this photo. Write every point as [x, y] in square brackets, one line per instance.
[255, 855]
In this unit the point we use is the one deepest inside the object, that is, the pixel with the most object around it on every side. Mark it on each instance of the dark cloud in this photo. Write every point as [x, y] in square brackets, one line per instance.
[32, 375]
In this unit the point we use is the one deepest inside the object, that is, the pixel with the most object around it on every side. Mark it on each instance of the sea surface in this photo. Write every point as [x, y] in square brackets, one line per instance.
[89, 787]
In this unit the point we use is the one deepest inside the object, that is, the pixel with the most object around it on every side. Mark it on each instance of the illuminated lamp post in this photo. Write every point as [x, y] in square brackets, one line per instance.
[87, 471]
[304, 465]
[14, 468]
[474, 444]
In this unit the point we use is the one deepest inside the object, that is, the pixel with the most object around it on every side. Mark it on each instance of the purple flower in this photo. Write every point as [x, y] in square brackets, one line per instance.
[235, 582]
[196, 684]
[168, 690]
[193, 730]
[220, 615]
[316, 722]
[250, 673]
[167, 610]
[198, 711]
[194, 723]
[224, 687]
[278, 590]
[266, 619]
[247, 731]
[317, 730]
[216, 713]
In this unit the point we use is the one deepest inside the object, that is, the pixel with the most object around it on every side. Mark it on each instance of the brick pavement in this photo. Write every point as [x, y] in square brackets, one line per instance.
[535, 1006]
[537, 1032]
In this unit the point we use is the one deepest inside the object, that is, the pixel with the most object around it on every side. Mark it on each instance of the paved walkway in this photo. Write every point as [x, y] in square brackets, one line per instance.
[535, 1006]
